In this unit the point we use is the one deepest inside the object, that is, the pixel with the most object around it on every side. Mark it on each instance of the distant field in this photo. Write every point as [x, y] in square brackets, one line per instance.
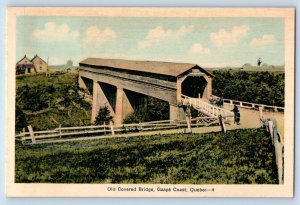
[242, 157]
[62, 68]
[272, 69]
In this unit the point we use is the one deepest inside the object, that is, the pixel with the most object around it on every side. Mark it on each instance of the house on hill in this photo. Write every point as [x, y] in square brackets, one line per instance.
[24, 66]
[27, 66]
[39, 64]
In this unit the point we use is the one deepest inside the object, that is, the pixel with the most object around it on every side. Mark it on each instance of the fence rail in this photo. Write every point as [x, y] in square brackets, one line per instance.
[32, 137]
[249, 105]
[207, 108]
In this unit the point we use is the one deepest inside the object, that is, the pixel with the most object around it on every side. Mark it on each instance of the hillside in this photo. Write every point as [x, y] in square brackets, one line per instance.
[47, 102]
[242, 157]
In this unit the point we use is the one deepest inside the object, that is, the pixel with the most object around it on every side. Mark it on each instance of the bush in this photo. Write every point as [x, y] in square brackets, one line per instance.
[103, 116]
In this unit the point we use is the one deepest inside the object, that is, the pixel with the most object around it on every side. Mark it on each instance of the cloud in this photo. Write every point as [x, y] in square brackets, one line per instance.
[229, 38]
[263, 41]
[159, 34]
[53, 32]
[197, 48]
[95, 36]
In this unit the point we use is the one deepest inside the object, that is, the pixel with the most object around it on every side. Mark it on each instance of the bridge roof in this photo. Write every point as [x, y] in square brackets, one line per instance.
[164, 68]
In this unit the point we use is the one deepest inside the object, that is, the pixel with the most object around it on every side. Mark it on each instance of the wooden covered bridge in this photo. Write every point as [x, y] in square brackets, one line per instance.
[121, 84]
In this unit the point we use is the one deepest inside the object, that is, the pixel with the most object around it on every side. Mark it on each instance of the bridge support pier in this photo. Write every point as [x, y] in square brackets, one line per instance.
[99, 100]
[123, 106]
[81, 83]
[96, 103]
[176, 113]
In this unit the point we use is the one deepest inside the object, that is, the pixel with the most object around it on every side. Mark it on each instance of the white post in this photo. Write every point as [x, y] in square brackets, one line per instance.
[59, 130]
[104, 124]
[112, 128]
[188, 123]
[260, 108]
[31, 134]
[23, 138]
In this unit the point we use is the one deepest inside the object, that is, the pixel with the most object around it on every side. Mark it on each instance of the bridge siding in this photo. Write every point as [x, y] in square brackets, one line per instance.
[167, 89]
[154, 90]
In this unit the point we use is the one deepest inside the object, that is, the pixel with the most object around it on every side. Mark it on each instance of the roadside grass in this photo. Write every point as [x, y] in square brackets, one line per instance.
[244, 156]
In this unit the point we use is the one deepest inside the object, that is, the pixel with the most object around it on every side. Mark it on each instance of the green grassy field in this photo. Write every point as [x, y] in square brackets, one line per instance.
[242, 157]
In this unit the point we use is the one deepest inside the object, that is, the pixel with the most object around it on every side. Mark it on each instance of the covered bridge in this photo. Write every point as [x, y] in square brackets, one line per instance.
[118, 83]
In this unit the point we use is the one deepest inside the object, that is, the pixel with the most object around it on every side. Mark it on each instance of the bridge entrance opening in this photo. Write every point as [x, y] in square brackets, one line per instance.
[193, 86]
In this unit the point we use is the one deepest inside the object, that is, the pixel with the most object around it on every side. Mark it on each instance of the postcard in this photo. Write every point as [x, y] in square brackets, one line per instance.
[150, 102]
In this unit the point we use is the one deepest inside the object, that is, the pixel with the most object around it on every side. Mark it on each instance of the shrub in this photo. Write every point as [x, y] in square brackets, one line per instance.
[103, 116]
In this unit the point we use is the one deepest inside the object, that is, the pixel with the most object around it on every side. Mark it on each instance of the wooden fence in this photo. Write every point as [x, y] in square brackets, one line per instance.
[278, 143]
[32, 137]
[207, 108]
[250, 105]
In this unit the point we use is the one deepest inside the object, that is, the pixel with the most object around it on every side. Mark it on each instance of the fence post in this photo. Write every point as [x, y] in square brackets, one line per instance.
[260, 108]
[188, 124]
[23, 137]
[112, 128]
[223, 127]
[141, 126]
[104, 124]
[270, 125]
[31, 134]
[59, 130]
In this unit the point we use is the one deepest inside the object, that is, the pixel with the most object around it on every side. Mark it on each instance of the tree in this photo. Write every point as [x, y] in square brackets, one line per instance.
[103, 116]
[69, 62]
[21, 121]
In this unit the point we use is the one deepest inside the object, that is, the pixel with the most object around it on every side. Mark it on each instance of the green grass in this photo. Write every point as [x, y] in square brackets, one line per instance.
[47, 102]
[242, 157]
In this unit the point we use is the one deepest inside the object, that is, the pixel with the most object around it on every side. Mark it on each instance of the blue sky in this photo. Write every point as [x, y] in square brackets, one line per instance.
[208, 42]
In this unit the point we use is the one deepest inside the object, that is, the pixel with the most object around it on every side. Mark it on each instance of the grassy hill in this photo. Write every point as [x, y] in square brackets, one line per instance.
[242, 157]
[47, 102]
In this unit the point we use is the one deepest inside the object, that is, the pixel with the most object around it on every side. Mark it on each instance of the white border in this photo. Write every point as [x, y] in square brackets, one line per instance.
[89, 190]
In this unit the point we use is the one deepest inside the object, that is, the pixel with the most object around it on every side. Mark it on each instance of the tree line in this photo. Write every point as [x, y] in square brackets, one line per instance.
[256, 87]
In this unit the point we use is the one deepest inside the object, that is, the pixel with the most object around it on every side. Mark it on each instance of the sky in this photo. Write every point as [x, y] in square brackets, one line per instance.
[208, 42]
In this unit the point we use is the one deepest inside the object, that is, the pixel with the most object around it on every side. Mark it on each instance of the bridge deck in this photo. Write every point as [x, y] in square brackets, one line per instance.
[250, 118]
